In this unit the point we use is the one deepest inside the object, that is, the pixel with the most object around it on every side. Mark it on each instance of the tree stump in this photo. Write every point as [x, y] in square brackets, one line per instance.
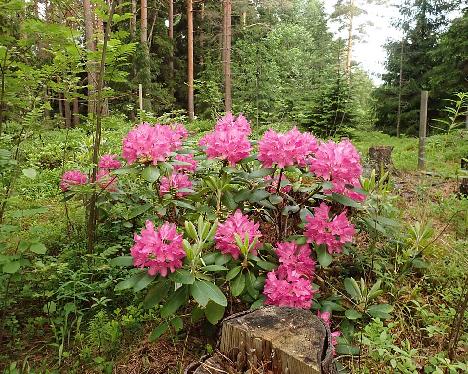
[272, 340]
[380, 159]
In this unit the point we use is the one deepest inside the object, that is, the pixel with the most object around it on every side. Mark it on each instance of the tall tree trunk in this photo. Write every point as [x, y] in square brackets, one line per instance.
[60, 105]
[76, 112]
[133, 20]
[227, 54]
[399, 91]
[171, 37]
[350, 39]
[201, 36]
[90, 46]
[144, 22]
[190, 102]
[66, 110]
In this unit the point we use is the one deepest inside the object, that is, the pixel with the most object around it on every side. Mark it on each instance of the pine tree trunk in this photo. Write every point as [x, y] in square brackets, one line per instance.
[67, 111]
[350, 40]
[133, 20]
[399, 91]
[171, 37]
[76, 112]
[201, 36]
[190, 101]
[227, 54]
[90, 46]
[144, 22]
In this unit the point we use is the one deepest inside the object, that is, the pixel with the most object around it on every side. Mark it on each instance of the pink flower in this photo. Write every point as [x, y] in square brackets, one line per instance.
[294, 258]
[106, 181]
[189, 160]
[180, 130]
[292, 147]
[273, 184]
[324, 316]
[293, 291]
[109, 162]
[175, 183]
[148, 143]
[335, 335]
[229, 144]
[339, 163]
[238, 224]
[229, 122]
[72, 178]
[158, 250]
[334, 233]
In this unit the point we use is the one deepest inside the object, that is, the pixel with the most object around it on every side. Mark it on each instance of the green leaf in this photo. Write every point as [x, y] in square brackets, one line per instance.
[158, 331]
[258, 303]
[30, 173]
[155, 294]
[143, 282]
[259, 195]
[347, 349]
[352, 314]
[124, 261]
[177, 323]
[380, 311]
[344, 200]
[266, 265]
[324, 258]
[203, 291]
[130, 282]
[137, 210]
[214, 268]
[184, 204]
[261, 173]
[242, 195]
[290, 209]
[197, 314]
[353, 289]
[182, 276]
[11, 267]
[238, 285]
[151, 173]
[214, 312]
[175, 301]
[275, 199]
[222, 259]
[233, 273]
[38, 248]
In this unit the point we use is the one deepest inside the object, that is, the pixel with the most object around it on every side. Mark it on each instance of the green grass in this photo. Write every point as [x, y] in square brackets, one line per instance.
[443, 152]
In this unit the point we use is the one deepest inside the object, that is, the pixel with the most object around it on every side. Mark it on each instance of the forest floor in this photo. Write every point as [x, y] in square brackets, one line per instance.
[424, 301]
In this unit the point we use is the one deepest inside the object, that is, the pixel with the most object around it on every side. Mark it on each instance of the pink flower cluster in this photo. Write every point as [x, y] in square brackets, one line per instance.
[175, 183]
[189, 160]
[148, 143]
[238, 224]
[72, 178]
[326, 317]
[334, 233]
[339, 163]
[289, 285]
[294, 258]
[160, 250]
[285, 185]
[229, 141]
[292, 147]
[109, 162]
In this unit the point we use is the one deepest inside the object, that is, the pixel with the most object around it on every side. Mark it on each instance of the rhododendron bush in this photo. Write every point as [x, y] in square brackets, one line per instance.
[228, 216]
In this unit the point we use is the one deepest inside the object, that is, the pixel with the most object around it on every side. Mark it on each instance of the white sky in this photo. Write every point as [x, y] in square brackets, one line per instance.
[369, 52]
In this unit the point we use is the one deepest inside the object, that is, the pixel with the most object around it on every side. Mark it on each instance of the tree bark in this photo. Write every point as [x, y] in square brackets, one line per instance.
[171, 37]
[91, 47]
[66, 110]
[76, 112]
[190, 100]
[144, 22]
[399, 91]
[227, 54]
[350, 40]
[133, 20]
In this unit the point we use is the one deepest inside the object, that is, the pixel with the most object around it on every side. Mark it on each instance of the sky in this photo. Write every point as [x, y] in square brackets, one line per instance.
[370, 52]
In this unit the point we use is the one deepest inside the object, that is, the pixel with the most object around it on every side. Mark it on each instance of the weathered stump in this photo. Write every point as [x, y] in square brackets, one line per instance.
[273, 340]
[380, 159]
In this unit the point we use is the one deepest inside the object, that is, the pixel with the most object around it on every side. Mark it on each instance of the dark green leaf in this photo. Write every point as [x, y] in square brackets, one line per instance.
[259, 195]
[266, 265]
[203, 291]
[261, 173]
[233, 273]
[324, 258]
[143, 282]
[158, 331]
[344, 200]
[238, 285]
[124, 261]
[130, 282]
[352, 314]
[182, 276]
[137, 210]
[214, 268]
[175, 301]
[214, 312]
[380, 311]
[156, 294]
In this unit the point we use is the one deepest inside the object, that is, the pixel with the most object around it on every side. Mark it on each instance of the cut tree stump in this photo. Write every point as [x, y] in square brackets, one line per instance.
[380, 159]
[272, 340]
